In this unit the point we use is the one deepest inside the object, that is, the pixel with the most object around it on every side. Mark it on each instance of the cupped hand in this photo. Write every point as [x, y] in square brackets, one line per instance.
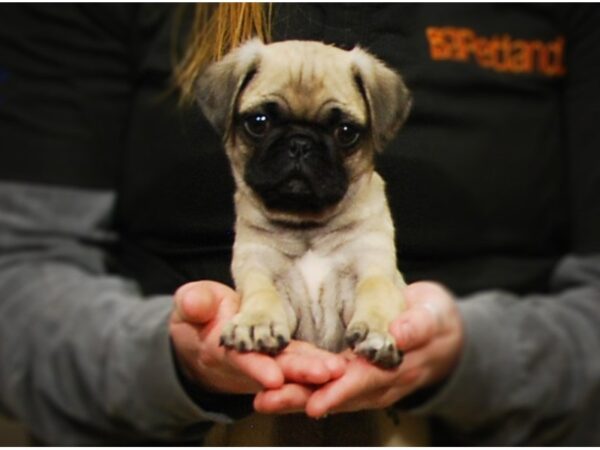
[429, 331]
[201, 309]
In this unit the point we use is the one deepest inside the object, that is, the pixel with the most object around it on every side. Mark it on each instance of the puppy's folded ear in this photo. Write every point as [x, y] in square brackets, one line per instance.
[387, 97]
[220, 85]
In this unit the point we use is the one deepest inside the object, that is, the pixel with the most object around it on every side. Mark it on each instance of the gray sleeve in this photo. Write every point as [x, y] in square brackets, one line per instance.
[83, 360]
[530, 368]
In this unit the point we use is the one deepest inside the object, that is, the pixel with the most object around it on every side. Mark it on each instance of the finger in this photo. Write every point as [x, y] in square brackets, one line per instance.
[290, 398]
[365, 386]
[199, 302]
[361, 378]
[296, 369]
[259, 367]
[304, 363]
[379, 399]
[424, 319]
[335, 363]
[375, 400]
[421, 291]
[414, 328]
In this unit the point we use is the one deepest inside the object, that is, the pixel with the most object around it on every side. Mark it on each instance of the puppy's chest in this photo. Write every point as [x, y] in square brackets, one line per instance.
[314, 269]
[320, 288]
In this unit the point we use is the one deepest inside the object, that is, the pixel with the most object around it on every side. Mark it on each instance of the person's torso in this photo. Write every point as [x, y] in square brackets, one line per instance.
[475, 178]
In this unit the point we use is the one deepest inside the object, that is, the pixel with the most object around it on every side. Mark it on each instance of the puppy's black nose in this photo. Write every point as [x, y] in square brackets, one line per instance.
[299, 147]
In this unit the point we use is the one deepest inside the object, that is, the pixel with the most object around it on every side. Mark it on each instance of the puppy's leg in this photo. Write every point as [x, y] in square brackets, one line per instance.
[378, 301]
[262, 324]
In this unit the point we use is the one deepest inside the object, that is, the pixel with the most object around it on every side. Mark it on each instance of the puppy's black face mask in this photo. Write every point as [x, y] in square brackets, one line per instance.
[298, 166]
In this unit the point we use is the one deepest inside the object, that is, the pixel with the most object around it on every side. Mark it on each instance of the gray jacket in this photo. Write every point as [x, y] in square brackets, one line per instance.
[85, 358]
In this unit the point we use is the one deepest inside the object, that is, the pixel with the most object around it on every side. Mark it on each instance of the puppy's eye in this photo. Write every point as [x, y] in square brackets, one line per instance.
[257, 125]
[346, 134]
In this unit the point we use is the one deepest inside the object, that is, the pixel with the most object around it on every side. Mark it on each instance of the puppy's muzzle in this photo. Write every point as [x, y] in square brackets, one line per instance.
[300, 147]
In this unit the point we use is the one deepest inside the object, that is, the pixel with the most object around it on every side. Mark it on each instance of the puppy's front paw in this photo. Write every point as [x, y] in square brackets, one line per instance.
[376, 346]
[247, 333]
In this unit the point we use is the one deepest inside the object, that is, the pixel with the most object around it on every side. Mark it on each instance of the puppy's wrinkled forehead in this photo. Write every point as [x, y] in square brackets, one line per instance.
[306, 80]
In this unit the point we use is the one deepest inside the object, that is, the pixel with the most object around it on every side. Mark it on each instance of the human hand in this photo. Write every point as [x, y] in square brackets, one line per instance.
[429, 331]
[201, 309]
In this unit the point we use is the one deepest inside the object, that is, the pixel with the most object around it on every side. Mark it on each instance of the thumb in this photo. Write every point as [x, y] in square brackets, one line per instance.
[428, 303]
[414, 329]
[198, 302]
[423, 319]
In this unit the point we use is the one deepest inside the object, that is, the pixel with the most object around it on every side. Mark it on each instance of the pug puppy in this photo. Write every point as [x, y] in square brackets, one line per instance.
[314, 255]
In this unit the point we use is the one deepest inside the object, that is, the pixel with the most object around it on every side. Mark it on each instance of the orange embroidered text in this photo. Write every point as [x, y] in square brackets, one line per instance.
[500, 53]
